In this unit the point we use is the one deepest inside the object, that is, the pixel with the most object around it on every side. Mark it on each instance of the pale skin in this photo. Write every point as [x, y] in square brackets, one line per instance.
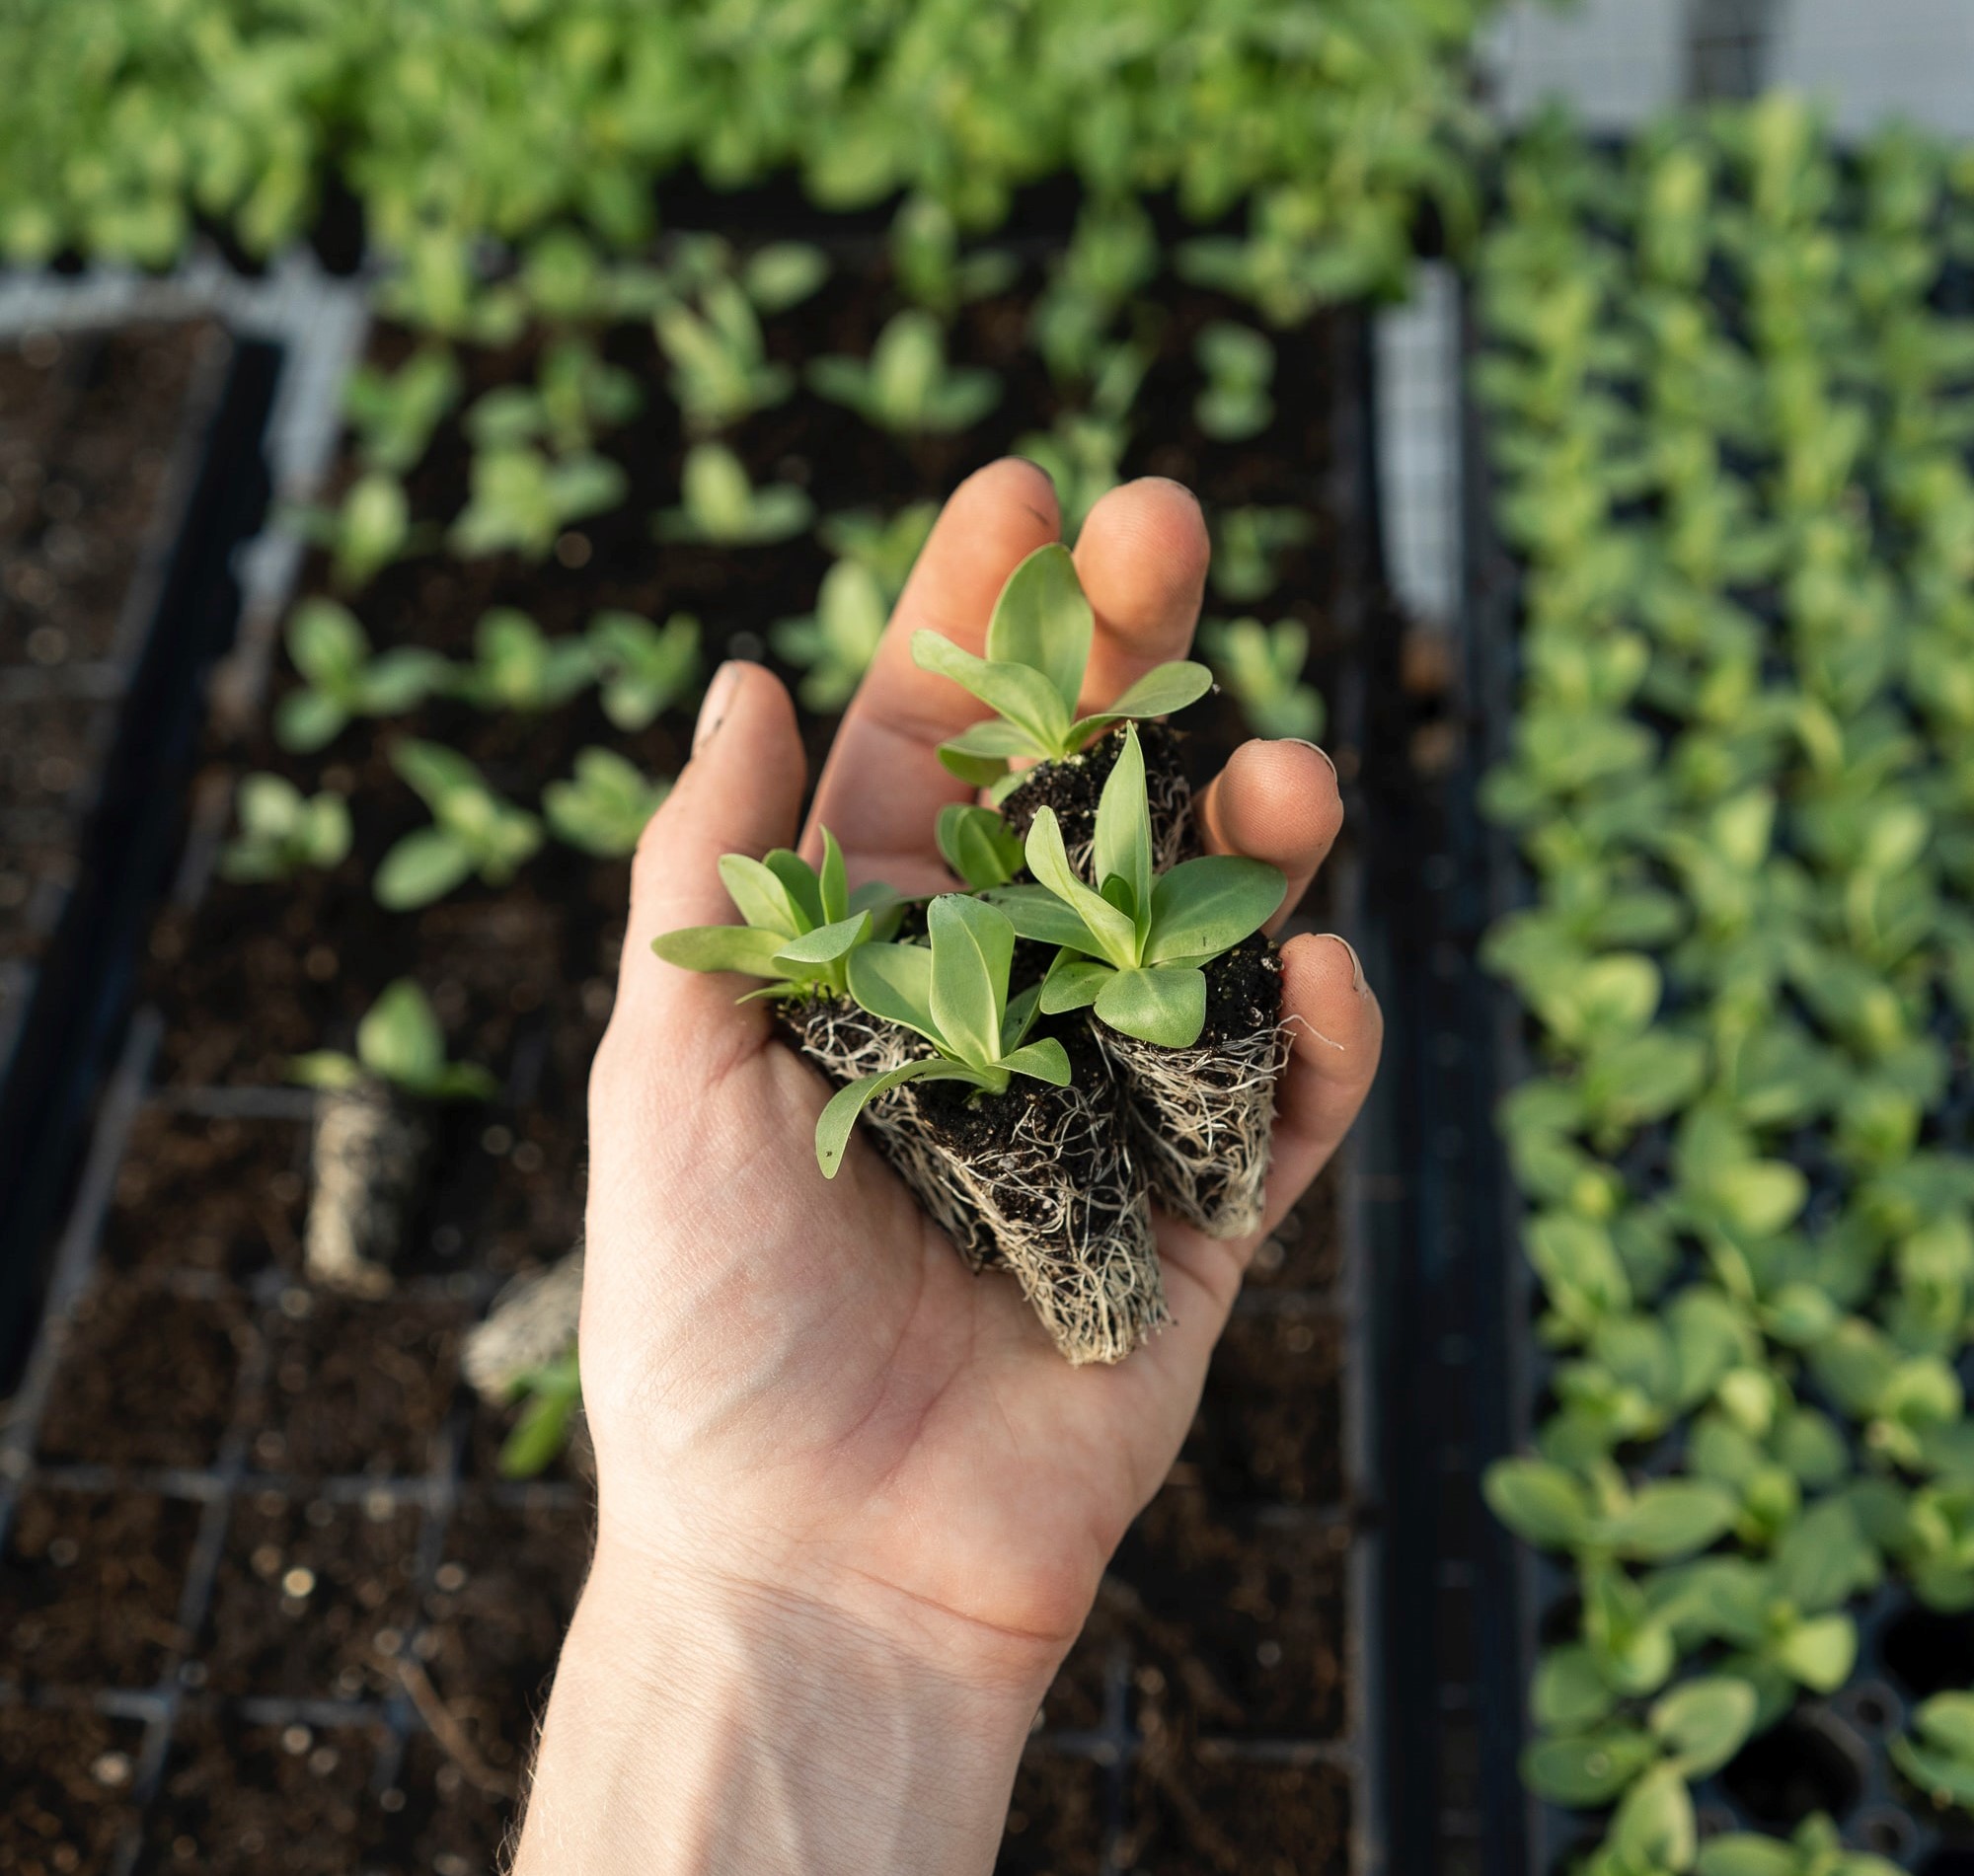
[853, 1505]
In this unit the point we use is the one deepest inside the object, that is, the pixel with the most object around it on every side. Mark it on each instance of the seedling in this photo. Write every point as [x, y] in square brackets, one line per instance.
[1937, 1755]
[553, 1397]
[887, 547]
[1038, 644]
[709, 329]
[1134, 949]
[393, 413]
[346, 678]
[977, 844]
[1814, 1850]
[1111, 257]
[1248, 544]
[522, 499]
[605, 809]
[516, 666]
[1263, 666]
[1239, 367]
[474, 832]
[282, 831]
[954, 994]
[365, 533]
[645, 669]
[801, 925]
[931, 269]
[834, 646]
[399, 1043]
[575, 398]
[907, 387]
[721, 506]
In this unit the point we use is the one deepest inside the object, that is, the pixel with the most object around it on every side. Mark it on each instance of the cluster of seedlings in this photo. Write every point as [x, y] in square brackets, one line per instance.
[1090, 1027]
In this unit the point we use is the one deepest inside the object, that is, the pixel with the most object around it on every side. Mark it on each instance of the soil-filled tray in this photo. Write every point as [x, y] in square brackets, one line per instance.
[129, 471]
[369, 1612]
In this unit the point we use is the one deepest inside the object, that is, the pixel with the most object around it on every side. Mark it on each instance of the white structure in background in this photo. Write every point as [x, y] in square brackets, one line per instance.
[1873, 59]
[1417, 380]
[1615, 60]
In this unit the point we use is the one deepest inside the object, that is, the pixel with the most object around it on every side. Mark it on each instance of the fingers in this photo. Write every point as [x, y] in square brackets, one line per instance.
[884, 784]
[739, 793]
[1276, 801]
[1141, 559]
[1337, 1030]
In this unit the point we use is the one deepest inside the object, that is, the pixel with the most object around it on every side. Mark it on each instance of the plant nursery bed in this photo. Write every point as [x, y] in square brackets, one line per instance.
[350, 1614]
[129, 471]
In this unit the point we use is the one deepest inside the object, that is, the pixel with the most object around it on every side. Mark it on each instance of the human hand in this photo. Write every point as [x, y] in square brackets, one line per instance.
[853, 1505]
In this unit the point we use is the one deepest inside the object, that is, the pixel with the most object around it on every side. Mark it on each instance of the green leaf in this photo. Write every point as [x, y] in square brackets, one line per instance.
[399, 1039]
[1587, 1767]
[1117, 935]
[1122, 849]
[307, 720]
[990, 740]
[1761, 1196]
[327, 1069]
[421, 868]
[1944, 1776]
[722, 947]
[977, 844]
[1704, 1722]
[326, 643]
[1159, 692]
[1671, 1518]
[827, 942]
[1073, 983]
[1205, 907]
[1654, 1828]
[1166, 1007]
[1745, 1854]
[833, 881]
[833, 1126]
[760, 895]
[1569, 1693]
[972, 949]
[1042, 620]
[1538, 1502]
[894, 982]
[1820, 1653]
[1037, 913]
[1025, 698]
[1045, 1061]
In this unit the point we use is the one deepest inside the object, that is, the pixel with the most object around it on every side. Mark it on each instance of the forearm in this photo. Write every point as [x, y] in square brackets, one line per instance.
[735, 1733]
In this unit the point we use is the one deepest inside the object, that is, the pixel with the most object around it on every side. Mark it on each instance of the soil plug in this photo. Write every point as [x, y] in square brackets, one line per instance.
[1139, 955]
[1039, 644]
[525, 1352]
[372, 1136]
[1040, 1164]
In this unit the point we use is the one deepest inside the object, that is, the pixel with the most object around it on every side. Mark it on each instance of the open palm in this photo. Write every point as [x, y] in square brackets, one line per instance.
[795, 1385]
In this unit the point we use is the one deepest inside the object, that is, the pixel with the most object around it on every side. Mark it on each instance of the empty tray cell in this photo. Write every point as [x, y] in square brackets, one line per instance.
[1203, 1814]
[1270, 1426]
[196, 1192]
[66, 1776]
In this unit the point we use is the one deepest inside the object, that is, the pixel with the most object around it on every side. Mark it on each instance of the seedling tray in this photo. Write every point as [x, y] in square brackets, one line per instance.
[1214, 1717]
[132, 470]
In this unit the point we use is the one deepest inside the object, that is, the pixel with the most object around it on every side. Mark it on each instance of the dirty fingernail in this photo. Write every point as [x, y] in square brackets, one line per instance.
[1357, 982]
[712, 712]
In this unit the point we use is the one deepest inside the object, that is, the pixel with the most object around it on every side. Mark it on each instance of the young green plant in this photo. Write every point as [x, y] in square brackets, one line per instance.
[474, 832]
[283, 831]
[516, 666]
[1263, 666]
[645, 669]
[719, 505]
[522, 499]
[605, 809]
[346, 678]
[906, 386]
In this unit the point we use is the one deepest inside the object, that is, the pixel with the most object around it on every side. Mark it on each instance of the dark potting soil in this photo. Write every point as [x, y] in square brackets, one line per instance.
[91, 1585]
[1243, 992]
[1074, 786]
[67, 1775]
[1208, 1813]
[242, 1800]
[314, 1597]
[147, 1377]
[522, 978]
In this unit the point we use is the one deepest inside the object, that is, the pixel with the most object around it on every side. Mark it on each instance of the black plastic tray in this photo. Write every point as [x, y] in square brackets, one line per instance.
[185, 604]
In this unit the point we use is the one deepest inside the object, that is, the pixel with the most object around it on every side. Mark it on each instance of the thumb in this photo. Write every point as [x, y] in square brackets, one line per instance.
[741, 793]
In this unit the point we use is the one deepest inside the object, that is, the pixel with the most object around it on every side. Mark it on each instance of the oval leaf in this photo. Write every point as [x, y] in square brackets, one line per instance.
[722, 947]
[1043, 620]
[1204, 907]
[972, 948]
[894, 982]
[1166, 1007]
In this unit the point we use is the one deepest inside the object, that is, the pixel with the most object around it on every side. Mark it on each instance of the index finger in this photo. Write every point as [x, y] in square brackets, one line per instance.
[884, 784]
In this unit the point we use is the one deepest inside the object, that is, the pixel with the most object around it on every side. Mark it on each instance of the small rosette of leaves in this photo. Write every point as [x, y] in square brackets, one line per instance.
[1134, 950]
[474, 832]
[1039, 644]
[802, 924]
[283, 831]
[645, 668]
[344, 678]
[397, 1042]
[952, 992]
[605, 809]
[517, 666]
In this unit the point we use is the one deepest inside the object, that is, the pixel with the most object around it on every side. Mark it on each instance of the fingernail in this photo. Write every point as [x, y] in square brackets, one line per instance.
[1320, 751]
[712, 712]
[1357, 982]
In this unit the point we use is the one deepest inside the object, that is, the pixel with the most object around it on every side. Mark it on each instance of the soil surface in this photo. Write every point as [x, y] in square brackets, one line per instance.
[67, 1775]
[364, 1552]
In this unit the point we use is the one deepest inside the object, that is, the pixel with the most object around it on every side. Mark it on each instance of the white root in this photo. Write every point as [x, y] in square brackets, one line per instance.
[531, 1326]
[1202, 1121]
[367, 1157]
[1081, 1249]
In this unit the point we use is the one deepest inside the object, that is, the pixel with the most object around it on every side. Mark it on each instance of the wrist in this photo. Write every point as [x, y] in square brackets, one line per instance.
[711, 1725]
